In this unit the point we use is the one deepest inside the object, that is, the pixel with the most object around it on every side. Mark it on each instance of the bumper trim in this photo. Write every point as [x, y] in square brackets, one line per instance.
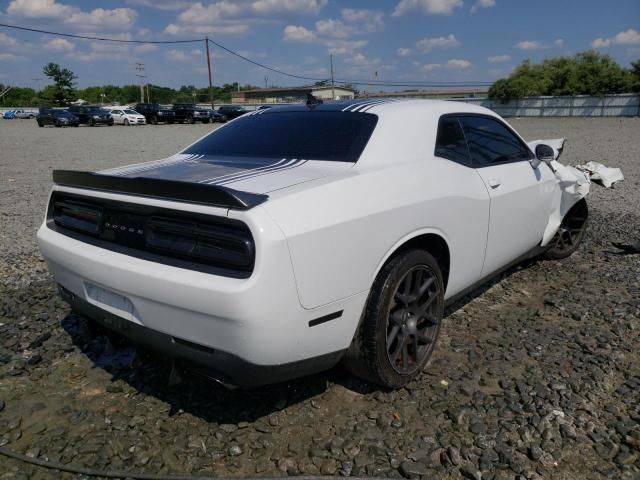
[224, 367]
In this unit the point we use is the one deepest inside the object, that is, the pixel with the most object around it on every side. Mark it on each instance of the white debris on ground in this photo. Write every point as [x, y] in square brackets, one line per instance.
[600, 174]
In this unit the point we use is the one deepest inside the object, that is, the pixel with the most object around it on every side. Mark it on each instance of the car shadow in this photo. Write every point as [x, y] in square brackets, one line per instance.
[149, 374]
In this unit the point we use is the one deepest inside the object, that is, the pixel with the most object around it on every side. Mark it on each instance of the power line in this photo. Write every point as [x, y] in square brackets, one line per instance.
[381, 83]
[102, 39]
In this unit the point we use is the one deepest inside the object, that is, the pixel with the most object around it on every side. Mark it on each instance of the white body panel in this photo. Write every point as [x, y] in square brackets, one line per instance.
[321, 238]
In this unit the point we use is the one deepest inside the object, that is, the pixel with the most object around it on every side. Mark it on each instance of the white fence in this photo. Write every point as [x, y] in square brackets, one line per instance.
[625, 105]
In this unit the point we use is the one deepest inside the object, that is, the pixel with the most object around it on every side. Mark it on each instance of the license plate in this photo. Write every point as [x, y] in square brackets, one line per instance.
[110, 301]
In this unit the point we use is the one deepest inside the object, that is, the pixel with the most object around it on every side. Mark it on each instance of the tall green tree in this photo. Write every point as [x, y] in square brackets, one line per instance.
[586, 73]
[63, 90]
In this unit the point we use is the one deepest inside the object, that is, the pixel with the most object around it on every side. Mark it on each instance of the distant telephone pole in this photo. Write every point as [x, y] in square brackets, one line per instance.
[333, 83]
[141, 76]
[206, 42]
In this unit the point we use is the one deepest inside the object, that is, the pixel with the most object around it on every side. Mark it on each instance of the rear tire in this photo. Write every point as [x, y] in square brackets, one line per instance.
[92, 123]
[206, 120]
[190, 120]
[401, 321]
[154, 120]
[40, 124]
[570, 233]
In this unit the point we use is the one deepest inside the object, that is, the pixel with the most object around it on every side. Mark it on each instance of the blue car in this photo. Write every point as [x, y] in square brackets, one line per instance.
[9, 115]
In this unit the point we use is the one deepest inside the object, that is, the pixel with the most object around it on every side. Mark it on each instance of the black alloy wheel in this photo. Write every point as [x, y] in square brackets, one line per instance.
[401, 321]
[412, 323]
[570, 233]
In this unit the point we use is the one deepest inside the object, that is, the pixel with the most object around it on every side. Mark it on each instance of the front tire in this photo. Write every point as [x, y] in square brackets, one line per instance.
[570, 233]
[40, 124]
[126, 122]
[401, 321]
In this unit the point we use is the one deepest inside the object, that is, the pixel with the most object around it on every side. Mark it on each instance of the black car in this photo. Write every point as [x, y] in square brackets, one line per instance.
[155, 113]
[190, 113]
[232, 111]
[92, 115]
[217, 117]
[56, 117]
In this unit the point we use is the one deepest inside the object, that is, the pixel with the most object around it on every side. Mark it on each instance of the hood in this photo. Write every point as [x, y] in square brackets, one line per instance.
[254, 175]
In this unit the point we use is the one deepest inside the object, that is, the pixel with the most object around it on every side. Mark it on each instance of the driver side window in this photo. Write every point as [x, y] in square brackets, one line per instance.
[490, 142]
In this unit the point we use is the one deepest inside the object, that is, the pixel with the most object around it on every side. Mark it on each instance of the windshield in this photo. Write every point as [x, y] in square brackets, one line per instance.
[131, 112]
[319, 135]
[61, 113]
[97, 110]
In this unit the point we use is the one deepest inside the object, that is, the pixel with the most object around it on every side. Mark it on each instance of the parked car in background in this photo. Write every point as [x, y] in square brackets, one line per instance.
[297, 237]
[232, 111]
[57, 117]
[92, 115]
[155, 113]
[24, 114]
[126, 116]
[190, 113]
[9, 115]
[217, 117]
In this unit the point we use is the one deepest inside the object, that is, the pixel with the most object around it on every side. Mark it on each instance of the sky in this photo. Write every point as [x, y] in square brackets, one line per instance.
[399, 40]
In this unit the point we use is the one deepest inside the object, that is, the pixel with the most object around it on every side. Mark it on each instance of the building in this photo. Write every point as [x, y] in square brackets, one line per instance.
[476, 93]
[291, 95]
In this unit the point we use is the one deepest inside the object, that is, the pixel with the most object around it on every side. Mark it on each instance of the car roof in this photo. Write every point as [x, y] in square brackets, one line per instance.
[383, 106]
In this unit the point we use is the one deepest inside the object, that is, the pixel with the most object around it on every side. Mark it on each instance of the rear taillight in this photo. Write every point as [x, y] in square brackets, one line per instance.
[78, 216]
[201, 242]
[185, 239]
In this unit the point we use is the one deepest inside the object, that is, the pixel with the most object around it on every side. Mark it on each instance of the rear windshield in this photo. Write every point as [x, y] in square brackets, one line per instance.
[311, 135]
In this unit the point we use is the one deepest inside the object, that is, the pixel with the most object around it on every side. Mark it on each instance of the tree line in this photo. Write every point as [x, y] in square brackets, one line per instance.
[586, 73]
[62, 92]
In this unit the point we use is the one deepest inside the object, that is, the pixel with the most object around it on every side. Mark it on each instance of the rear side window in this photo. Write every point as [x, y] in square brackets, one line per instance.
[490, 142]
[311, 135]
[450, 142]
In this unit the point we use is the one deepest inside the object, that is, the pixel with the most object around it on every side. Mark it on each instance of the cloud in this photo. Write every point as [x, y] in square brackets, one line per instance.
[628, 37]
[8, 57]
[403, 52]
[174, 55]
[117, 18]
[530, 45]
[458, 63]
[368, 21]
[559, 42]
[234, 17]
[160, 4]
[427, 44]
[428, 7]
[601, 43]
[59, 45]
[430, 67]
[294, 33]
[231, 29]
[483, 4]
[360, 60]
[145, 48]
[7, 41]
[335, 34]
[499, 58]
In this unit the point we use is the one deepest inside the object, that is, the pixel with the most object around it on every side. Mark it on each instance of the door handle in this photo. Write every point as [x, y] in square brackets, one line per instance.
[494, 182]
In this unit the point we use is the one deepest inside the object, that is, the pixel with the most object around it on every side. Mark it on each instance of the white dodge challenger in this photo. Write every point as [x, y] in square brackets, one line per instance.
[296, 237]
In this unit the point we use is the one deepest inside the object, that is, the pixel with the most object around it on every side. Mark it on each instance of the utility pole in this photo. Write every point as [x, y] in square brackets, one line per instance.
[266, 81]
[206, 42]
[141, 76]
[333, 83]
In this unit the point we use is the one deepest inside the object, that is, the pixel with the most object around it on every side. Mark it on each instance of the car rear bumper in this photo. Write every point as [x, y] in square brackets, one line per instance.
[257, 320]
[224, 367]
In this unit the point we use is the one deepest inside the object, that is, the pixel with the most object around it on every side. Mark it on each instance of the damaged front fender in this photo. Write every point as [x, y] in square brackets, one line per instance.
[573, 185]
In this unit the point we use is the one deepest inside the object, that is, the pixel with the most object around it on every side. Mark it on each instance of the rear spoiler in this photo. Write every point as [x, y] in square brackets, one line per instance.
[177, 191]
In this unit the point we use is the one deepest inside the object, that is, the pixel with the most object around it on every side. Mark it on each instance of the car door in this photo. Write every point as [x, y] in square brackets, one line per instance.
[520, 194]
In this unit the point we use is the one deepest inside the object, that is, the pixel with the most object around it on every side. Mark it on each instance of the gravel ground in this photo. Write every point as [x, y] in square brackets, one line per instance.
[537, 375]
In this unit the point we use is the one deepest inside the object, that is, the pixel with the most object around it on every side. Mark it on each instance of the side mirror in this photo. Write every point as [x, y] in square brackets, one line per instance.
[544, 153]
